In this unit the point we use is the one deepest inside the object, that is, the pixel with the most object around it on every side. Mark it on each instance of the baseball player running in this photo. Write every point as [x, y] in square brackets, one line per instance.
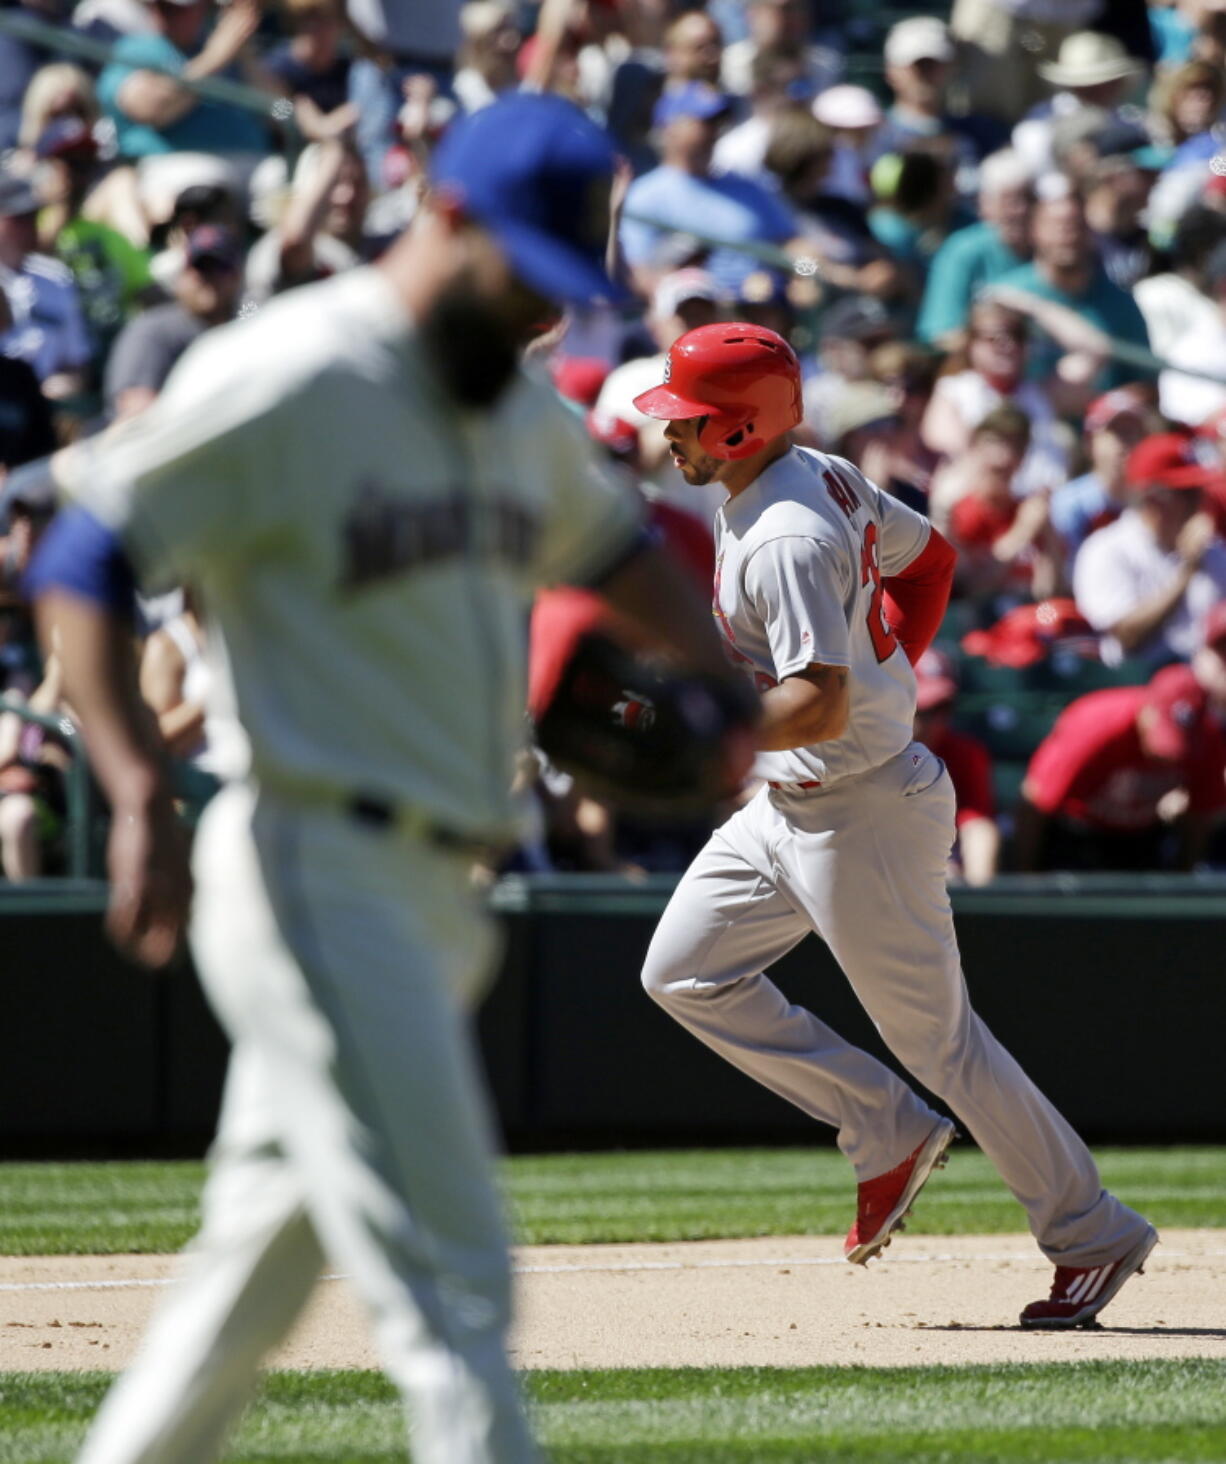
[366, 491]
[827, 590]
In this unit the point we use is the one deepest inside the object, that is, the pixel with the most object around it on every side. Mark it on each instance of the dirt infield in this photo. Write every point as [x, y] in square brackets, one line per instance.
[775, 1302]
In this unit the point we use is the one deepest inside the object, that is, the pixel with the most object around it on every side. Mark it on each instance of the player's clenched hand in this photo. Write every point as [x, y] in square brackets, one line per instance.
[150, 882]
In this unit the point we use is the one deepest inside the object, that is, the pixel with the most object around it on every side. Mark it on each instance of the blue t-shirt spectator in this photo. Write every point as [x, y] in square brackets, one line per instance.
[727, 206]
[48, 330]
[208, 127]
[1080, 507]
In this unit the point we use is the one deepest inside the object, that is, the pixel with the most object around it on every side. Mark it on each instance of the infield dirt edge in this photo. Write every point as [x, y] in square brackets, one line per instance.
[775, 1301]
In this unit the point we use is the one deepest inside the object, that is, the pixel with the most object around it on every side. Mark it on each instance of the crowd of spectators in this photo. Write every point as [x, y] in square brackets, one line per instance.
[995, 233]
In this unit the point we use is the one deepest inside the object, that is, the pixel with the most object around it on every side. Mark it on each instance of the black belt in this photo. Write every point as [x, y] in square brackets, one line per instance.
[378, 813]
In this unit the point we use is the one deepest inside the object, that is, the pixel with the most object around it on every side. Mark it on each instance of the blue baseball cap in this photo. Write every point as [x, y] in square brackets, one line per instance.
[694, 99]
[536, 172]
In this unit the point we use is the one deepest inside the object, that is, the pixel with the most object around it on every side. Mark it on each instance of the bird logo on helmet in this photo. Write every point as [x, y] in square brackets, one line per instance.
[744, 379]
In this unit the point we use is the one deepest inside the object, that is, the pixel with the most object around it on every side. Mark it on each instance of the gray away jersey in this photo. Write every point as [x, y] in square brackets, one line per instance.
[366, 549]
[800, 556]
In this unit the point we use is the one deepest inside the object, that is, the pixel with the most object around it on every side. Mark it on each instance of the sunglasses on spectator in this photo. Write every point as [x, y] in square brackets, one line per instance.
[1011, 333]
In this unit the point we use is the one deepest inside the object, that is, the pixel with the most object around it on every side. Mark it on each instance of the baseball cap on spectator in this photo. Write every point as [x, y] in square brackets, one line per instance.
[1168, 460]
[694, 99]
[613, 432]
[1122, 401]
[1172, 715]
[579, 378]
[935, 682]
[1029, 633]
[1121, 139]
[683, 284]
[536, 172]
[64, 136]
[847, 108]
[918, 38]
[17, 196]
[855, 318]
[211, 244]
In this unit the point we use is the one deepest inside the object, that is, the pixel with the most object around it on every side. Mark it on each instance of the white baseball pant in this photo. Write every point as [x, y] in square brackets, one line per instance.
[863, 864]
[339, 958]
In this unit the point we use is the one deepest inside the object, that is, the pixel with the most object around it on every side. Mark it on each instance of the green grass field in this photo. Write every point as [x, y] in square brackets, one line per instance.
[1029, 1414]
[1136, 1412]
[82, 1209]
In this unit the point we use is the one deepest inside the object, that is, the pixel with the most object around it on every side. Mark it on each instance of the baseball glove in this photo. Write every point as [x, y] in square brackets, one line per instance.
[656, 745]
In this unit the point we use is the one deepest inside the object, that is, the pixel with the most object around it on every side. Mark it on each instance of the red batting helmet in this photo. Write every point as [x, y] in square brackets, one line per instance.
[744, 379]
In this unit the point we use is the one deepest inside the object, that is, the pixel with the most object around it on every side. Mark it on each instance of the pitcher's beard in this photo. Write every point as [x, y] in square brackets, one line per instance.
[471, 349]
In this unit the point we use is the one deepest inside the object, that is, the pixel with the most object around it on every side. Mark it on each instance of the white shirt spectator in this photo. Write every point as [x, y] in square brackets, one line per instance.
[1046, 464]
[1173, 308]
[1191, 399]
[743, 150]
[1121, 567]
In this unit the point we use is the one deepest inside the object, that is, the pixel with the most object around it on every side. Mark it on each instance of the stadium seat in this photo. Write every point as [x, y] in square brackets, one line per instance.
[1075, 675]
[1009, 727]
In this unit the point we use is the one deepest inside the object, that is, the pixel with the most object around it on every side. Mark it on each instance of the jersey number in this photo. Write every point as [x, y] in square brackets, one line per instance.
[879, 632]
[844, 494]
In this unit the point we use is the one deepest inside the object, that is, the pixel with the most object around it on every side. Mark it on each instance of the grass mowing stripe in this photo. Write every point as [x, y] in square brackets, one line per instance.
[568, 1199]
[1024, 1414]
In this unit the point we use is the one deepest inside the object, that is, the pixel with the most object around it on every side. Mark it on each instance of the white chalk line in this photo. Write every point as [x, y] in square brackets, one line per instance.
[578, 1268]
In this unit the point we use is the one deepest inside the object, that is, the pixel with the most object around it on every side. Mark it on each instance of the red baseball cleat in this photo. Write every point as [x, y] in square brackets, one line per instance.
[1079, 1293]
[882, 1204]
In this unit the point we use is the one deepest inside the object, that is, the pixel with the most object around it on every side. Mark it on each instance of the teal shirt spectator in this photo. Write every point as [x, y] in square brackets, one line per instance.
[962, 266]
[1103, 304]
[208, 127]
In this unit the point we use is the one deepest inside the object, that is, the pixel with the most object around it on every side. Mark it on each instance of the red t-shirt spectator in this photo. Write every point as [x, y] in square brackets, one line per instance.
[563, 615]
[976, 523]
[1094, 769]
